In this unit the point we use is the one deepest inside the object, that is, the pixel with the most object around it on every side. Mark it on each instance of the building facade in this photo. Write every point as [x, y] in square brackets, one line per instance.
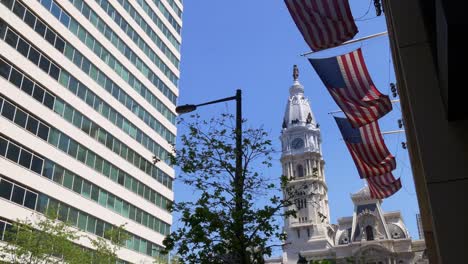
[368, 236]
[87, 101]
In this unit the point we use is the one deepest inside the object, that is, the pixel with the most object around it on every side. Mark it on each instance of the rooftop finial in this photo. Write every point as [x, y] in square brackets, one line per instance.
[295, 72]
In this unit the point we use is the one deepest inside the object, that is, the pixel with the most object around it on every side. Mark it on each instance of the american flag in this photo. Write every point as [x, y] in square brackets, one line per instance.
[383, 186]
[323, 23]
[367, 148]
[349, 83]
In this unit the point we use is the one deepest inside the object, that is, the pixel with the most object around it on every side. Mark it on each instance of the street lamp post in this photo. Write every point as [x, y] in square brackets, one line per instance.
[238, 214]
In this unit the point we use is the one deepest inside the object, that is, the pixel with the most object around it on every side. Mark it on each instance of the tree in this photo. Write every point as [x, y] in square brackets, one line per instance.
[43, 239]
[207, 163]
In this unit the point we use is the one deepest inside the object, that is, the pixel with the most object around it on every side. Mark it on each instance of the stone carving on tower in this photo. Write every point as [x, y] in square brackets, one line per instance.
[303, 164]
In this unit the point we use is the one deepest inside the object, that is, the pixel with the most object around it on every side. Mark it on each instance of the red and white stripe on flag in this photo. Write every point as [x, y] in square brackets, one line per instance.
[349, 83]
[371, 155]
[383, 186]
[361, 102]
[323, 23]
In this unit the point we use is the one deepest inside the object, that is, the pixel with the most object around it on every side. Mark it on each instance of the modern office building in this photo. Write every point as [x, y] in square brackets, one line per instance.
[87, 98]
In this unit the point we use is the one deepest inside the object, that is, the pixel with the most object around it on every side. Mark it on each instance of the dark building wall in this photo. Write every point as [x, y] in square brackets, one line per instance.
[437, 134]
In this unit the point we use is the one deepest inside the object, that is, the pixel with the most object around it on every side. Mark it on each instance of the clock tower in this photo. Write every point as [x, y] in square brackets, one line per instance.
[303, 164]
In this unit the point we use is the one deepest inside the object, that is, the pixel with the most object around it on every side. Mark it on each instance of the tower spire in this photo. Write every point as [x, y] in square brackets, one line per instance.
[295, 72]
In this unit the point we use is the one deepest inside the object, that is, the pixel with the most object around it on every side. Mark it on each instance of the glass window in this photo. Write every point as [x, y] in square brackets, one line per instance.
[114, 173]
[30, 19]
[30, 200]
[36, 165]
[91, 226]
[15, 77]
[90, 159]
[121, 178]
[86, 189]
[118, 205]
[63, 212]
[81, 154]
[4, 69]
[53, 137]
[56, 10]
[105, 167]
[103, 198]
[20, 118]
[3, 146]
[40, 28]
[82, 219]
[43, 131]
[48, 100]
[54, 71]
[25, 158]
[18, 195]
[11, 38]
[59, 106]
[68, 180]
[27, 86]
[38, 93]
[23, 47]
[50, 36]
[73, 26]
[98, 165]
[110, 201]
[72, 148]
[65, 19]
[63, 143]
[86, 125]
[32, 125]
[99, 228]
[5, 189]
[125, 209]
[8, 110]
[48, 170]
[44, 64]
[58, 175]
[72, 216]
[82, 92]
[34, 55]
[86, 66]
[13, 152]
[73, 86]
[42, 203]
[95, 193]
[77, 184]
[68, 114]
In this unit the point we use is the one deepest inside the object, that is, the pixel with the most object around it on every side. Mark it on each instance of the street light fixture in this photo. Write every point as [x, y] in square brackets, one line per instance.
[238, 214]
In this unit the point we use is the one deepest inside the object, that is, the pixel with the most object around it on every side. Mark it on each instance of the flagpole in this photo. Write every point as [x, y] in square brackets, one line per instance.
[340, 111]
[387, 132]
[349, 42]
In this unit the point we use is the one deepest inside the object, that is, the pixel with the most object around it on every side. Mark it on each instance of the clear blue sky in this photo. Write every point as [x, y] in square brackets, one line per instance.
[252, 45]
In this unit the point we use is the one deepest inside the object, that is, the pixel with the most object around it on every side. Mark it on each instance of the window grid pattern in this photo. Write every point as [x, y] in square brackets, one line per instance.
[78, 218]
[110, 60]
[125, 50]
[21, 118]
[152, 14]
[90, 69]
[174, 7]
[98, 104]
[129, 30]
[74, 149]
[79, 185]
[141, 163]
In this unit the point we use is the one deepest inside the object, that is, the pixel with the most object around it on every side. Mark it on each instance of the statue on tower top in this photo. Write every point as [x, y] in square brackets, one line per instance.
[295, 72]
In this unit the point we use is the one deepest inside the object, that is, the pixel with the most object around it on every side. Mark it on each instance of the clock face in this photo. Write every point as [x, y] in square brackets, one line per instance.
[297, 143]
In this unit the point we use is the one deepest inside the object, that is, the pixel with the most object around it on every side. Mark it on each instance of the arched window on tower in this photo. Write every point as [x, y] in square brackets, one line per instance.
[300, 170]
[369, 233]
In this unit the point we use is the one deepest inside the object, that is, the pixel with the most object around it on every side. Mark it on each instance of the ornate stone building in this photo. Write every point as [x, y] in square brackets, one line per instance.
[368, 236]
